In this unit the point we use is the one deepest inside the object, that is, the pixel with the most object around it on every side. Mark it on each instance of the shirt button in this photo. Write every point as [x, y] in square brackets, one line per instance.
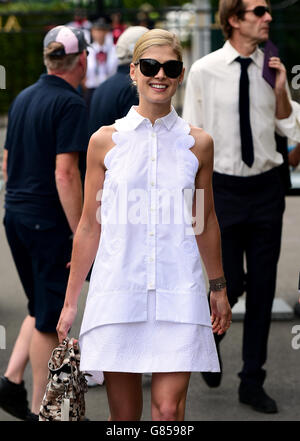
[152, 183]
[37, 227]
[153, 135]
[151, 233]
[153, 158]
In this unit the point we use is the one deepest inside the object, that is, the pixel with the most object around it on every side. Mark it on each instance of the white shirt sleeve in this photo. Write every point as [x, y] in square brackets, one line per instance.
[290, 127]
[192, 108]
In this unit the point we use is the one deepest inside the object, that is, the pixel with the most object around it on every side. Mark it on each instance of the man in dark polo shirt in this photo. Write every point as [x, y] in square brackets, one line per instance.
[115, 96]
[46, 136]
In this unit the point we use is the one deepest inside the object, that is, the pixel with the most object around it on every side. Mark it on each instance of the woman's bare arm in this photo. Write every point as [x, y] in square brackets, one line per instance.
[209, 241]
[87, 235]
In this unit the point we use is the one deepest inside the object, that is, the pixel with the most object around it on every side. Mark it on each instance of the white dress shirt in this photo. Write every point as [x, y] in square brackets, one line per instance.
[141, 250]
[97, 72]
[212, 102]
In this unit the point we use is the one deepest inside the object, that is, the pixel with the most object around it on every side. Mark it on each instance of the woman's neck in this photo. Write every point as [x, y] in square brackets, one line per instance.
[153, 111]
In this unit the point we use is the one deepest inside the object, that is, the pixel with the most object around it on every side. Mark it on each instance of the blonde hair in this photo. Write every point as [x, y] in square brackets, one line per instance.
[59, 64]
[156, 37]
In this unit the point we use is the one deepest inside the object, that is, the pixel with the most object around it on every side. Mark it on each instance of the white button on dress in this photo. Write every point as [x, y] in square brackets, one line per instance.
[147, 308]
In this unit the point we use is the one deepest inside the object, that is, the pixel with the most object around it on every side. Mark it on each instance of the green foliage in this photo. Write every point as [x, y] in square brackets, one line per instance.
[30, 6]
[156, 4]
[21, 52]
[22, 66]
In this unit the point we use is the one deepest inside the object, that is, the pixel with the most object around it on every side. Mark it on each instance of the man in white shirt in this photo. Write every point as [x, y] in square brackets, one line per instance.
[102, 59]
[231, 100]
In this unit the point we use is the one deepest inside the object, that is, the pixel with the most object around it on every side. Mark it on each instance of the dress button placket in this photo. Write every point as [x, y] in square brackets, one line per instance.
[153, 212]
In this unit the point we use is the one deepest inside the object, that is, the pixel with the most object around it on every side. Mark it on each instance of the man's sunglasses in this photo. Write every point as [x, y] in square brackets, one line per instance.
[150, 67]
[259, 11]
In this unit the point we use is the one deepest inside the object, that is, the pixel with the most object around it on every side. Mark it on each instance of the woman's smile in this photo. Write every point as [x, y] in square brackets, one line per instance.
[158, 87]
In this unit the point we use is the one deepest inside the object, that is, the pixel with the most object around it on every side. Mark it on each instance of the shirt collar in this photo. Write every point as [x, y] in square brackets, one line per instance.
[231, 54]
[57, 81]
[135, 119]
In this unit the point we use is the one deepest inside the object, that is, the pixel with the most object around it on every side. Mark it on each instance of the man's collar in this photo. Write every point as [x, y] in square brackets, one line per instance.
[57, 81]
[231, 54]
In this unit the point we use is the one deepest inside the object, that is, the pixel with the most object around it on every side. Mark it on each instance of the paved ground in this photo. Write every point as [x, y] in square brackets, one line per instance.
[204, 404]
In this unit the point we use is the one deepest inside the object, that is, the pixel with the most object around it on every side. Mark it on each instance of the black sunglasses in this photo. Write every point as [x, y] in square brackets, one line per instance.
[259, 11]
[150, 67]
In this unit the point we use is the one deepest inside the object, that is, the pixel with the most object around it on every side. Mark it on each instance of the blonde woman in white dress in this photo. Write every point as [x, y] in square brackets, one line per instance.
[147, 308]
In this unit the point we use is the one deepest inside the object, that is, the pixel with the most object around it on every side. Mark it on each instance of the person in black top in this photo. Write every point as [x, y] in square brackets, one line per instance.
[115, 96]
[47, 134]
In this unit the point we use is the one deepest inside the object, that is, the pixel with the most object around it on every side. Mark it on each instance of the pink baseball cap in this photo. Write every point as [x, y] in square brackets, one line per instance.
[71, 38]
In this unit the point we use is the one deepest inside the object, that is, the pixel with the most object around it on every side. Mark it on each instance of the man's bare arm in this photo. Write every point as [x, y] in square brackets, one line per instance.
[69, 187]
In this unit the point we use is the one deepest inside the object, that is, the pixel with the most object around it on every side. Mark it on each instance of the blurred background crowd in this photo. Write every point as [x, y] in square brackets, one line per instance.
[23, 25]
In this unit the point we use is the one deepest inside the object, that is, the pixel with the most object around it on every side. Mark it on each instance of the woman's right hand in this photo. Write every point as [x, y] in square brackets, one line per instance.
[66, 319]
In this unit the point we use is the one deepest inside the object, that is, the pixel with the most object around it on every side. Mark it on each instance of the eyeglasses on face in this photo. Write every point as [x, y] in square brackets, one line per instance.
[150, 67]
[259, 11]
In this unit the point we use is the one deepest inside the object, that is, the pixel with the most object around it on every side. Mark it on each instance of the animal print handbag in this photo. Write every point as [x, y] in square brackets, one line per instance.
[64, 397]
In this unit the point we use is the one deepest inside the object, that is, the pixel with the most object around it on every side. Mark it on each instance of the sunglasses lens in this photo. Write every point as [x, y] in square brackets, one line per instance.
[149, 67]
[260, 10]
[173, 68]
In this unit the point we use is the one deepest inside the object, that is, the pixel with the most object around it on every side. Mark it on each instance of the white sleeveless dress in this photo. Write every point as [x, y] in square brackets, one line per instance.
[147, 308]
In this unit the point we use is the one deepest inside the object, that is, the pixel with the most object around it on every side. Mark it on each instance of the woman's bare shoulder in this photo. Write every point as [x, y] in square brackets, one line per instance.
[103, 135]
[100, 143]
[204, 146]
[202, 139]
[101, 140]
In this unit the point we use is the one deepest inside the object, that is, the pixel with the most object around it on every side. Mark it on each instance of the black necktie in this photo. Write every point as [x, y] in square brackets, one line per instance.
[245, 126]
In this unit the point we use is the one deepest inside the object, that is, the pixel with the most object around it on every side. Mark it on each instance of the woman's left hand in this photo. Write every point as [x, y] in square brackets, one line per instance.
[220, 312]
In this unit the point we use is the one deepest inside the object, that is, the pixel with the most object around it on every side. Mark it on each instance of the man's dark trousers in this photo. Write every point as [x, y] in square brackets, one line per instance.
[249, 211]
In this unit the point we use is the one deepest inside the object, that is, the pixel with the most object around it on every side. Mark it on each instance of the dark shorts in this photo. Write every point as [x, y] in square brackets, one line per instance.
[41, 249]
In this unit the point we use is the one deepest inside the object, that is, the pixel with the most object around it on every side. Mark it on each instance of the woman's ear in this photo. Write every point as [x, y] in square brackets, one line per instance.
[132, 72]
